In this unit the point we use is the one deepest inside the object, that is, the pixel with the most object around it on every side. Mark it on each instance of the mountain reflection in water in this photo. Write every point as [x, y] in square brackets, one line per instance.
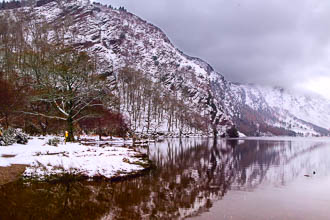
[191, 175]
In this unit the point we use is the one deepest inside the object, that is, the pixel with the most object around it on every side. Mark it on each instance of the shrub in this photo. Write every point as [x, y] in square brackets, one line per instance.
[108, 123]
[12, 136]
[54, 142]
[232, 132]
[122, 36]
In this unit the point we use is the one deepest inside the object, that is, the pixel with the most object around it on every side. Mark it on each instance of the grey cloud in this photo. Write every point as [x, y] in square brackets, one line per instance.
[275, 42]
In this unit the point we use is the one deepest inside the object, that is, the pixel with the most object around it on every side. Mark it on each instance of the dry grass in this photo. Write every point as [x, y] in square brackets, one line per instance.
[12, 173]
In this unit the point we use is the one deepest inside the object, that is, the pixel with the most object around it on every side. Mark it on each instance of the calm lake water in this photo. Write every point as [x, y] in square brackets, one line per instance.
[195, 178]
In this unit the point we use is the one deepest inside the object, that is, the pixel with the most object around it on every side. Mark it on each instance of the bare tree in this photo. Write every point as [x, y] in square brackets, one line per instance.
[67, 79]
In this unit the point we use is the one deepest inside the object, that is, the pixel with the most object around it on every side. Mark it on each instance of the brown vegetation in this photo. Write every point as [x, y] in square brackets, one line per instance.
[10, 174]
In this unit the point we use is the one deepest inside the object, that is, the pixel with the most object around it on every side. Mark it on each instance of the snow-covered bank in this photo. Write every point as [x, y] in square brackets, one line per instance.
[95, 159]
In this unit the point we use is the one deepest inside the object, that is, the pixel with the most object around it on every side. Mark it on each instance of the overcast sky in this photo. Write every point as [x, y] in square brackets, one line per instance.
[273, 42]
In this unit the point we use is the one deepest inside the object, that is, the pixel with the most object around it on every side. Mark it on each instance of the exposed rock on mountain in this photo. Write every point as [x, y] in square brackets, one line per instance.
[278, 111]
[122, 40]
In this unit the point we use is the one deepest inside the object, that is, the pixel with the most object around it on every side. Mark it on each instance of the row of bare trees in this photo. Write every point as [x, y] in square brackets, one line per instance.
[154, 108]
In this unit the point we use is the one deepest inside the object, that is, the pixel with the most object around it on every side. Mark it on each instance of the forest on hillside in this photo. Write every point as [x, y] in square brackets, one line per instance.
[49, 85]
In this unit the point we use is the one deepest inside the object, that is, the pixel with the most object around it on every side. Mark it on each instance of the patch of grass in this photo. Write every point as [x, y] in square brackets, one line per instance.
[59, 167]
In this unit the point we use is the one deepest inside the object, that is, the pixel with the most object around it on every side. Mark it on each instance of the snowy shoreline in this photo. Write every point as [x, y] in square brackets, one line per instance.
[91, 159]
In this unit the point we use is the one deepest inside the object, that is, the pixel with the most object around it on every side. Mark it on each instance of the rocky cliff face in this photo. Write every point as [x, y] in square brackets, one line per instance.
[121, 39]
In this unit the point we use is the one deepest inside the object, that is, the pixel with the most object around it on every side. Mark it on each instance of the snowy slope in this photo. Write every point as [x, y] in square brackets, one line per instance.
[121, 39]
[305, 115]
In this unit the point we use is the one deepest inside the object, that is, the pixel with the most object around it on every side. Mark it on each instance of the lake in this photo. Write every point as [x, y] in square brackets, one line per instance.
[195, 178]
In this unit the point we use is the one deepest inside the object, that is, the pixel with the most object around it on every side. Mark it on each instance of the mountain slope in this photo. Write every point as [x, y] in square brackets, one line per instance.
[279, 108]
[120, 40]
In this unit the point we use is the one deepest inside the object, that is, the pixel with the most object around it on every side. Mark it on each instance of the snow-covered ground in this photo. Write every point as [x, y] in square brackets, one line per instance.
[89, 158]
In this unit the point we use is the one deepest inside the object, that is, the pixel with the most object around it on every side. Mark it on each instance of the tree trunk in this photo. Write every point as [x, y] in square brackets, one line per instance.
[70, 128]
[6, 122]
[215, 132]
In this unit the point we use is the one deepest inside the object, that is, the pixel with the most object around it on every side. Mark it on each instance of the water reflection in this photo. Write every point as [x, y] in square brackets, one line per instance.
[191, 175]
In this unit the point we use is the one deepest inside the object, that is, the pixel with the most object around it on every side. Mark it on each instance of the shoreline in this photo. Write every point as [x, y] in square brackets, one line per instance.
[108, 160]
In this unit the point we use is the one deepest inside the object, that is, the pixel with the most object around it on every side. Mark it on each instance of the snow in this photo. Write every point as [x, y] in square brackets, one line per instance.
[143, 41]
[98, 26]
[73, 158]
[242, 135]
[297, 112]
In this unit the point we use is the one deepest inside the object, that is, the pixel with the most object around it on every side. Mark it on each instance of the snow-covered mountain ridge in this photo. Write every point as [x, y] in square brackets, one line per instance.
[302, 114]
[121, 39]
